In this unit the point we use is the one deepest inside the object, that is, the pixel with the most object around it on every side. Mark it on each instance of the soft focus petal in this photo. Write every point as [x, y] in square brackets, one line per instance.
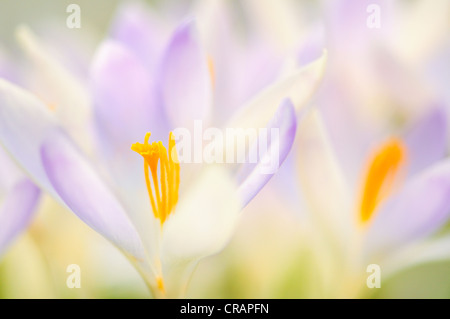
[24, 123]
[284, 121]
[28, 128]
[429, 251]
[279, 21]
[6, 67]
[9, 172]
[141, 32]
[83, 191]
[420, 28]
[419, 209]
[63, 93]
[17, 210]
[125, 109]
[427, 141]
[185, 81]
[123, 96]
[312, 46]
[321, 179]
[437, 73]
[251, 64]
[349, 23]
[298, 87]
[201, 225]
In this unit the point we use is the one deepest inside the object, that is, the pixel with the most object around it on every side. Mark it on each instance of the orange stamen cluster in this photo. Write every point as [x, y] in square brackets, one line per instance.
[164, 192]
[382, 170]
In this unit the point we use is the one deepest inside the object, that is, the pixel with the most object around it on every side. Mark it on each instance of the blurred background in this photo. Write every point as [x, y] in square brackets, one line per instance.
[270, 255]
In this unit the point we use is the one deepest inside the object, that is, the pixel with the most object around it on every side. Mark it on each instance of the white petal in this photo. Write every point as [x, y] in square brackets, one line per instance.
[56, 86]
[299, 86]
[24, 124]
[432, 250]
[279, 20]
[201, 225]
[321, 179]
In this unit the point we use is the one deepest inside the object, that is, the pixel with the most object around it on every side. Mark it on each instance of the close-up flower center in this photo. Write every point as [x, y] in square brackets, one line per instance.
[164, 192]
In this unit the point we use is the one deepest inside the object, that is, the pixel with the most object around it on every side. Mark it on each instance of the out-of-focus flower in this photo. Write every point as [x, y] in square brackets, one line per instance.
[374, 87]
[164, 217]
[375, 79]
[18, 195]
[402, 199]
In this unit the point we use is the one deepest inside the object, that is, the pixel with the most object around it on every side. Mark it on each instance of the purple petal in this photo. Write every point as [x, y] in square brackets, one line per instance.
[185, 81]
[83, 191]
[427, 141]
[141, 32]
[123, 96]
[419, 209]
[31, 134]
[17, 211]
[285, 121]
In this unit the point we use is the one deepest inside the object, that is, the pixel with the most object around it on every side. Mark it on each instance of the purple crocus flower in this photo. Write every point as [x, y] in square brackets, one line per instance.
[164, 215]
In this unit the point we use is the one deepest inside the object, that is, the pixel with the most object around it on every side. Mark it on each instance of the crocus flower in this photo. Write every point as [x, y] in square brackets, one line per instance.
[378, 53]
[164, 215]
[402, 199]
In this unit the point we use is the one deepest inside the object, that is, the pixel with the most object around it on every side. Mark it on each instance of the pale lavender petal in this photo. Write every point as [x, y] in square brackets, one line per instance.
[427, 141]
[256, 68]
[312, 48]
[123, 94]
[84, 192]
[6, 69]
[419, 209]
[17, 210]
[437, 71]
[9, 172]
[141, 32]
[349, 23]
[25, 121]
[65, 93]
[247, 70]
[185, 81]
[32, 135]
[241, 68]
[269, 162]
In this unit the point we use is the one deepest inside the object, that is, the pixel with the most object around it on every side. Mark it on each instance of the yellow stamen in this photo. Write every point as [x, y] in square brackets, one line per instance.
[164, 193]
[382, 171]
[212, 72]
[160, 284]
[51, 107]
